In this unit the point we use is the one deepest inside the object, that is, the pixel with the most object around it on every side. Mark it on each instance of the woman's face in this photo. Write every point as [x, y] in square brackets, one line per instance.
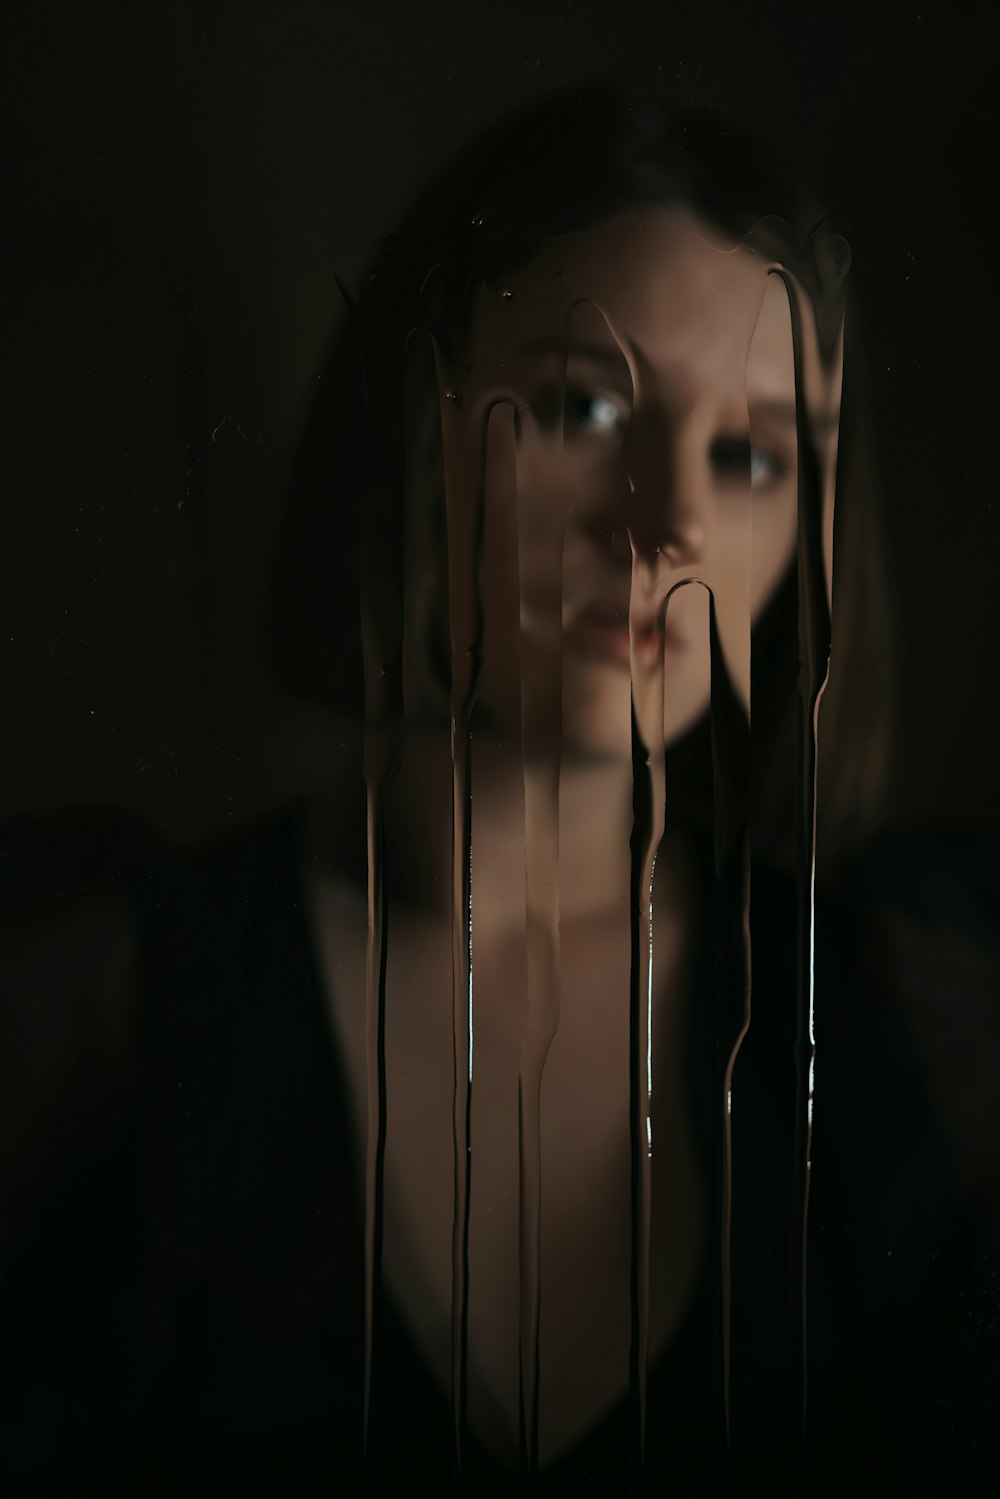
[653, 379]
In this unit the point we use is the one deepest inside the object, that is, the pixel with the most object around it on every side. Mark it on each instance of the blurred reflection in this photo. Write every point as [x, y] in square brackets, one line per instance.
[639, 419]
[620, 413]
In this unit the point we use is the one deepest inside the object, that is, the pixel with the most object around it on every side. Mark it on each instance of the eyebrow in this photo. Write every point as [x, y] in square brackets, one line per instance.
[598, 353]
[823, 423]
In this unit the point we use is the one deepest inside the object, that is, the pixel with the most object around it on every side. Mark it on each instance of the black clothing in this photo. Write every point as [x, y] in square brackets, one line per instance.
[182, 1236]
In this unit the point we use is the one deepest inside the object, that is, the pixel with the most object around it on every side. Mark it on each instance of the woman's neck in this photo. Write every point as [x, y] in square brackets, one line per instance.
[594, 825]
[517, 813]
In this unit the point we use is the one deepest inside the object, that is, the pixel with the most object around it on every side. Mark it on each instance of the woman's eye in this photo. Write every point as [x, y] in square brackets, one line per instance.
[588, 412]
[737, 458]
[763, 466]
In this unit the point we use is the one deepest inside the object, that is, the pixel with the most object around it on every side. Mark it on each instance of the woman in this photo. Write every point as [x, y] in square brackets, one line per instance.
[291, 1206]
[591, 344]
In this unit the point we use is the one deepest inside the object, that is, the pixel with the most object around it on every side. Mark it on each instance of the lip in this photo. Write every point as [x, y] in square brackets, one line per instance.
[604, 634]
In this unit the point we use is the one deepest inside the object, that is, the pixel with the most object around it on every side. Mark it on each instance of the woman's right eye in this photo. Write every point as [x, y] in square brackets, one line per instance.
[583, 412]
[594, 413]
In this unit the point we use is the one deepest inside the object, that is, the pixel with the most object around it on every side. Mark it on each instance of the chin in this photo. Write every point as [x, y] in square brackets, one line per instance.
[597, 714]
[597, 717]
[589, 747]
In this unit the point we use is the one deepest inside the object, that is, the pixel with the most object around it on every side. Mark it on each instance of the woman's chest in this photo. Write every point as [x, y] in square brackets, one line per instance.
[583, 1152]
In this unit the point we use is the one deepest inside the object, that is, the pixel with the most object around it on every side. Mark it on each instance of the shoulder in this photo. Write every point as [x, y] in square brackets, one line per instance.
[82, 894]
[927, 908]
[69, 956]
[950, 879]
[906, 1194]
[923, 908]
[913, 994]
[107, 933]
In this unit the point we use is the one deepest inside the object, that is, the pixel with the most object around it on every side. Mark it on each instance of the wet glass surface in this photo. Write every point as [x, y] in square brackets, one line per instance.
[508, 1020]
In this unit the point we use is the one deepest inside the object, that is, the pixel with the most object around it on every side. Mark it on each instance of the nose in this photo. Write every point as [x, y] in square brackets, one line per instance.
[667, 509]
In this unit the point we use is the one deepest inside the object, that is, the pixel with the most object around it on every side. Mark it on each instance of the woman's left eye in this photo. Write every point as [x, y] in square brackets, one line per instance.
[738, 458]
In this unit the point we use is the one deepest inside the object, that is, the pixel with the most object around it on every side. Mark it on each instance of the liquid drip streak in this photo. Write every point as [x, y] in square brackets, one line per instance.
[376, 956]
[648, 814]
[541, 748]
[462, 1026]
[814, 660]
[543, 981]
[730, 726]
[464, 461]
[380, 536]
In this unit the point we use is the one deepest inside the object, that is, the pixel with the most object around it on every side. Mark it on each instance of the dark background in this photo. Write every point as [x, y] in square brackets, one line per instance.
[182, 183]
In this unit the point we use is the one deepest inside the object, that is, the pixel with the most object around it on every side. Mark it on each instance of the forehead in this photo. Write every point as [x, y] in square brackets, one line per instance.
[681, 309]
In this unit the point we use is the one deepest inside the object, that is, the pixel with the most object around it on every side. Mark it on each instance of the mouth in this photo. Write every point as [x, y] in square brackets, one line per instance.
[604, 634]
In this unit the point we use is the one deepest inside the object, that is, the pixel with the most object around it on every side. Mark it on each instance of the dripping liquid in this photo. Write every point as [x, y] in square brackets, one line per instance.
[541, 749]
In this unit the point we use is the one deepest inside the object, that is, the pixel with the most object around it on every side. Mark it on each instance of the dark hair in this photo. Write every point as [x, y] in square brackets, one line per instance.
[572, 161]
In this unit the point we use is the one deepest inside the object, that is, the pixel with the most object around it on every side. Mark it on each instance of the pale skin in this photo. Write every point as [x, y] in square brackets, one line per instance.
[640, 480]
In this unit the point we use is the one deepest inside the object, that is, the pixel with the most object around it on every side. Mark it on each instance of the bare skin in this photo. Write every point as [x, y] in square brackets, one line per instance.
[584, 1130]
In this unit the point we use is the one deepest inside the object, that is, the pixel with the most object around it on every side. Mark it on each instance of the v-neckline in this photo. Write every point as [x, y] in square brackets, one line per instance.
[396, 1324]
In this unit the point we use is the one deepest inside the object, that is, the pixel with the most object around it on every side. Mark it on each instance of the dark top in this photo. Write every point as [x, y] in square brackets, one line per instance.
[181, 1231]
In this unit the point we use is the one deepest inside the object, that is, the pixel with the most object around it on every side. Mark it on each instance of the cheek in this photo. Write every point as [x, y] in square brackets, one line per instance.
[500, 546]
[763, 536]
[522, 566]
[772, 547]
[500, 688]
